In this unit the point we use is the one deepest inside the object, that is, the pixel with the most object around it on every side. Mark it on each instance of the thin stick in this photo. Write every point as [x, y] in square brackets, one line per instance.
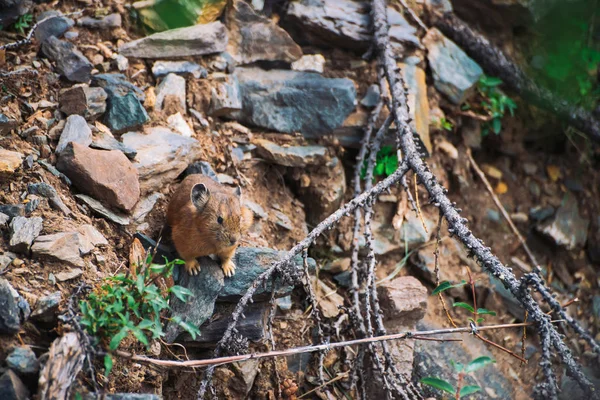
[524, 337]
[418, 206]
[337, 378]
[496, 345]
[503, 211]
[315, 348]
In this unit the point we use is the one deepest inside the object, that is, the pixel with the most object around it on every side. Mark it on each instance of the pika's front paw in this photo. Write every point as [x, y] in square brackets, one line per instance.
[228, 268]
[192, 267]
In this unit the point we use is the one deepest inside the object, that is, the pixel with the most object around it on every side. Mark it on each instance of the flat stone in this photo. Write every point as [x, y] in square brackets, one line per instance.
[69, 275]
[163, 68]
[123, 396]
[46, 308]
[567, 228]
[63, 246]
[171, 90]
[7, 125]
[125, 112]
[371, 97]
[417, 102]
[23, 361]
[48, 191]
[180, 125]
[99, 209]
[195, 40]
[411, 234]
[290, 101]
[12, 388]
[70, 63]
[225, 96]
[309, 63]
[13, 210]
[10, 314]
[117, 84]
[76, 130]
[89, 102]
[203, 168]
[144, 206]
[10, 161]
[52, 26]
[161, 156]
[291, 156]
[90, 238]
[106, 141]
[23, 233]
[283, 220]
[253, 37]
[539, 213]
[55, 172]
[346, 24]
[454, 73]
[111, 21]
[4, 219]
[106, 175]
[255, 208]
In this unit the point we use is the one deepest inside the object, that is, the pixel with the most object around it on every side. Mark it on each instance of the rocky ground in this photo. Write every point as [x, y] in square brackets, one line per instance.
[99, 122]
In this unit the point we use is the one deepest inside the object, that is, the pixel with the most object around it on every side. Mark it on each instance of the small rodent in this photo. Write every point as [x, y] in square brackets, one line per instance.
[207, 218]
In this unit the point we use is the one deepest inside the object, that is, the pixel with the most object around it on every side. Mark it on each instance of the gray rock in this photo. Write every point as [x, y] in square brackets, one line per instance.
[117, 84]
[345, 23]
[99, 209]
[161, 156]
[172, 86]
[203, 168]
[12, 388]
[144, 206]
[284, 303]
[63, 246]
[256, 209]
[4, 219]
[290, 101]
[570, 389]
[76, 130]
[47, 191]
[69, 274]
[23, 233]
[309, 63]
[411, 233]
[596, 306]
[83, 100]
[493, 215]
[253, 37]
[283, 220]
[5, 261]
[123, 396]
[52, 26]
[70, 63]
[441, 6]
[108, 22]
[12, 210]
[371, 97]
[539, 213]
[567, 228]
[163, 68]
[7, 125]
[343, 279]
[106, 141]
[432, 359]
[206, 287]
[292, 156]
[10, 10]
[195, 40]
[46, 308]
[10, 314]
[55, 172]
[225, 96]
[454, 73]
[251, 262]
[222, 62]
[23, 361]
[125, 112]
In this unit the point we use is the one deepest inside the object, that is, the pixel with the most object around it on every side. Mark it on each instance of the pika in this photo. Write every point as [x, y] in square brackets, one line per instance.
[207, 218]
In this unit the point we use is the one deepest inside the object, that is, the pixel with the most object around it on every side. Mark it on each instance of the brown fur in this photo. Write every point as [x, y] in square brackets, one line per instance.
[197, 233]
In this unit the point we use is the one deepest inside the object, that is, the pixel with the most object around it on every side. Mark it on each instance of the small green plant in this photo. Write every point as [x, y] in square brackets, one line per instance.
[463, 370]
[23, 22]
[496, 104]
[128, 304]
[385, 164]
[480, 311]
[446, 125]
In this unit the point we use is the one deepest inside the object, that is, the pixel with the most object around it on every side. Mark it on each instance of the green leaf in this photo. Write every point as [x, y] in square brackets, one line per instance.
[391, 165]
[479, 363]
[458, 366]
[157, 268]
[77, 395]
[467, 390]
[497, 125]
[480, 320]
[118, 338]
[379, 169]
[465, 306]
[483, 311]
[438, 384]
[447, 285]
[108, 364]
[189, 328]
[139, 334]
[139, 283]
[490, 81]
[181, 293]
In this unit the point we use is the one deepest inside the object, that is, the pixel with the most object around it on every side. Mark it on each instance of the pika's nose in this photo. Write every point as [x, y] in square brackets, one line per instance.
[233, 240]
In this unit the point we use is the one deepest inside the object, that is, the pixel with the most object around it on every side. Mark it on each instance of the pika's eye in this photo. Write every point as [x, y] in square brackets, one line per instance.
[220, 220]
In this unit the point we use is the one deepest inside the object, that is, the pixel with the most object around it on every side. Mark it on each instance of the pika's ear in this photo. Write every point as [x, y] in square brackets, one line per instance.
[200, 196]
[238, 192]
